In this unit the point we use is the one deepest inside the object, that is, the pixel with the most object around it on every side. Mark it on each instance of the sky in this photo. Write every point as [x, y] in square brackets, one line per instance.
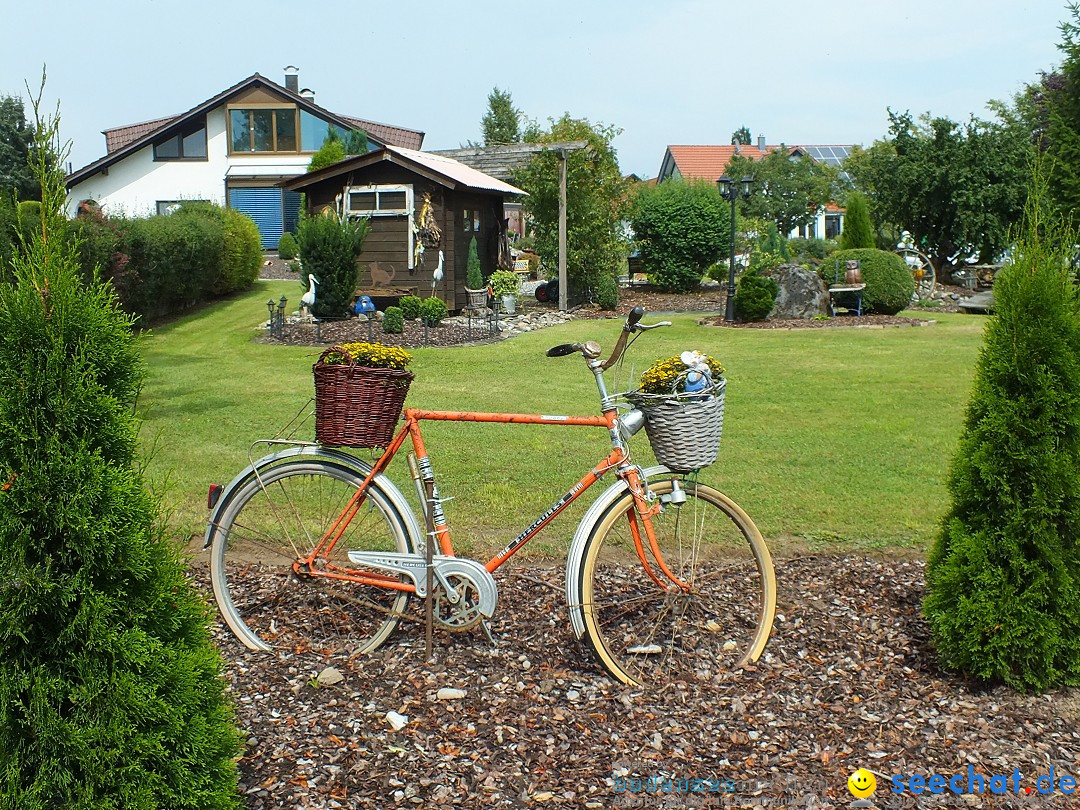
[674, 72]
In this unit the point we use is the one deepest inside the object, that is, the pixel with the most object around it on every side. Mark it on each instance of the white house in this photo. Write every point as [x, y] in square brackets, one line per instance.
[232, 149]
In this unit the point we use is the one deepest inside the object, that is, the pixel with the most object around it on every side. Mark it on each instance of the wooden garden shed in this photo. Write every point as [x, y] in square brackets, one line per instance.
[418, 204]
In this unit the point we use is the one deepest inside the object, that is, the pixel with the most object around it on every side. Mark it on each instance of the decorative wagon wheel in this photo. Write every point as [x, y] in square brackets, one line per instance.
[922, 269]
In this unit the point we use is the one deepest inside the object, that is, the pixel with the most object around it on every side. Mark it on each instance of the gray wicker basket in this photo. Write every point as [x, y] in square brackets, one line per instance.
[684, 431]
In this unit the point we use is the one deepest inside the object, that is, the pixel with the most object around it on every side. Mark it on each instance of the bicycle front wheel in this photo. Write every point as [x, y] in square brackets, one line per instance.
[278, 517]
[647, 633]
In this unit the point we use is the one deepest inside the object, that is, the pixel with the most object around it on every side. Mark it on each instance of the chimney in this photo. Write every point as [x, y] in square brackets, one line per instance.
[761, 143]
[292, 78]
[309, 94]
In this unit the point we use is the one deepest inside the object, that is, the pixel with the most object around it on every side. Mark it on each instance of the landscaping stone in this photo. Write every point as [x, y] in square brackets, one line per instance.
[802, 294]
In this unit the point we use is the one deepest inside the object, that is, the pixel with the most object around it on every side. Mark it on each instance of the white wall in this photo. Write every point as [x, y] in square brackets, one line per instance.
[134, 185]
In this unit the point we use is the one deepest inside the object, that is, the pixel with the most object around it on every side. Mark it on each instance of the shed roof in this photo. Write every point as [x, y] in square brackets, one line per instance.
[441, 169]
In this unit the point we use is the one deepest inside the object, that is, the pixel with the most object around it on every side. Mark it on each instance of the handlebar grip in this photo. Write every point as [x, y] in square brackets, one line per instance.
[562, 349]
[636, 314]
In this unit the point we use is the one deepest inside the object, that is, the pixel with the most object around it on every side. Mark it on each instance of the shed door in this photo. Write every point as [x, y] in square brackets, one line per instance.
[264, 205]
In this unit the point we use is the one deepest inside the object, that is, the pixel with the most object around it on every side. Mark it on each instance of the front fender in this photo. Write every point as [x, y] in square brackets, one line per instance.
[397, 499]
[576, 555]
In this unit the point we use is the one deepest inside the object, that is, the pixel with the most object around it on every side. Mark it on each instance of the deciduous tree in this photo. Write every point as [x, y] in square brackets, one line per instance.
[788, 190]
[957, 189]
[680, 228]
[596, 200]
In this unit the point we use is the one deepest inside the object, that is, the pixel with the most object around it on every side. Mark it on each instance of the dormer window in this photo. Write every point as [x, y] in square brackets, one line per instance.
[188, 143]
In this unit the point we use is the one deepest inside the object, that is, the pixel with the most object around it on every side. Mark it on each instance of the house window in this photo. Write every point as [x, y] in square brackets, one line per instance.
[262, 129]
[380, 201]
[833, 225]
[187, 144]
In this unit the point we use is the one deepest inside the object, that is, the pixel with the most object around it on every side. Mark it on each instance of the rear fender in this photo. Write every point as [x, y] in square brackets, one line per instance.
[393, 494]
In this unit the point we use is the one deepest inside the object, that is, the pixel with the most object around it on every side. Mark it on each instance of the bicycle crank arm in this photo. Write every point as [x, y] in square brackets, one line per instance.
[414, 566]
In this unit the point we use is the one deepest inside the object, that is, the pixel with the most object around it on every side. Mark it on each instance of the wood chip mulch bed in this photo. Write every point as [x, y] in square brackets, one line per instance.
[848, 680]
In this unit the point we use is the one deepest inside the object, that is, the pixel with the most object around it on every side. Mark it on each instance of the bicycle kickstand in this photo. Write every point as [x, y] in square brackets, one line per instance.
[488, 633]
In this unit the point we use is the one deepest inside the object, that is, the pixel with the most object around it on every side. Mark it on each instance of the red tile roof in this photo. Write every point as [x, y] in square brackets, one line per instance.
[388, 134]
[119, 137]
[710, 162]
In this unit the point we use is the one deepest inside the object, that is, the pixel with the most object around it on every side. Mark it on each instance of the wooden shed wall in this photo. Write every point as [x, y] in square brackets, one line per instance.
[384, 262]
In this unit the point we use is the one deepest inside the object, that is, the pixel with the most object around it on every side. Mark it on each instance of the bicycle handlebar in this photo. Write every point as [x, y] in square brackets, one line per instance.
[591, 349]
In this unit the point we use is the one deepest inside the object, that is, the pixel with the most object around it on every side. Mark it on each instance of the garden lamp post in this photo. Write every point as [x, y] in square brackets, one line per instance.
[729, 190]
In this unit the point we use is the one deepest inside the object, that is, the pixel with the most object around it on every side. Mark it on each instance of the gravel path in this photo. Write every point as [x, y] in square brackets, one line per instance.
[848, 681]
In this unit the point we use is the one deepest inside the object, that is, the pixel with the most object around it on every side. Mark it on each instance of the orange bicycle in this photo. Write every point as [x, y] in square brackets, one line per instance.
[666, 576]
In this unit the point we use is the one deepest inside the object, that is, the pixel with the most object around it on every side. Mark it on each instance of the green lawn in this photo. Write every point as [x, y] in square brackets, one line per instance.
[834, 439]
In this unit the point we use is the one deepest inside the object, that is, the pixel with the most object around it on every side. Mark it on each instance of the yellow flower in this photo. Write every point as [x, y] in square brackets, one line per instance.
[372, 355]
[662, 377]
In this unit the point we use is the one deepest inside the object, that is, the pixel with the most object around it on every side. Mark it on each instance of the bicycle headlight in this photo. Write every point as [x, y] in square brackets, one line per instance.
[630, 423]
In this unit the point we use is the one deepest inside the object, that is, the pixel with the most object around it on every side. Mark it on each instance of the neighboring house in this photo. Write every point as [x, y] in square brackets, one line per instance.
[710, 163]
[418, 205]
[232, 149]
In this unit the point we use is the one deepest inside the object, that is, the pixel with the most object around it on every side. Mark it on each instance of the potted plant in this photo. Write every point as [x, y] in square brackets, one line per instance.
[682, 399]
[360, 389]
[504, 286]
[474, 279]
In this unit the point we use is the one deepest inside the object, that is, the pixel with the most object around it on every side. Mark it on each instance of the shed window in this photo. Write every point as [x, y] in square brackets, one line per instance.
[376, 201]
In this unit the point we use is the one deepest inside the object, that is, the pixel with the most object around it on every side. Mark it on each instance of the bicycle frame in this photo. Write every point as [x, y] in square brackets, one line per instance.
[617, 459]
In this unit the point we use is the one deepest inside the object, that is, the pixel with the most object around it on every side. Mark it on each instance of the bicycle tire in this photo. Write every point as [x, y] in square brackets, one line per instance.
[643, 634]
[277, 517]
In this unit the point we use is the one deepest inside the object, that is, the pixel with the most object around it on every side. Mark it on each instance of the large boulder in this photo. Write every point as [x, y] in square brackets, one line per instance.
[802, 293]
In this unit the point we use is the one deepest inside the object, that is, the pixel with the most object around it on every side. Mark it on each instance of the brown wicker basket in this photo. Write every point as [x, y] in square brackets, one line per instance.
[357, 406]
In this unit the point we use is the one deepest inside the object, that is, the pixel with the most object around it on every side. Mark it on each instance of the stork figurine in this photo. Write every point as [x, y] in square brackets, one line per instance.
[307, 300]
[437, 276]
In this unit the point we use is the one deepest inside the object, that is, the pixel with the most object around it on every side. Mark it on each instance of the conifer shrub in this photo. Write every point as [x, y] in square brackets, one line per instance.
[410, 307]
[474, 276]
[858, 230]
[329, 247]
[111, 693]
[393, 322]
[1003, 576]
[286, 247]
[889, 283]
[755, 295]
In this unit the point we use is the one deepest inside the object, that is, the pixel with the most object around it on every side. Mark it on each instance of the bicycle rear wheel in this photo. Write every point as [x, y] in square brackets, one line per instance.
[278, 517]
[643, 632]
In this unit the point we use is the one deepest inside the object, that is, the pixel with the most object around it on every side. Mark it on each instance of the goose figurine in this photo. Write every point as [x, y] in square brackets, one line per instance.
[307, 300]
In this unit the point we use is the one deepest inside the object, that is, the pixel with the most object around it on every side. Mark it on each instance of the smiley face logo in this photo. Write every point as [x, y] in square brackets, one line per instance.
[861, 783]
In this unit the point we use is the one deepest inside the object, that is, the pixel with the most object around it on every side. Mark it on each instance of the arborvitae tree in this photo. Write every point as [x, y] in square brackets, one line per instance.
[858, 230]
[111, 692]
[1003, 578]
[500, 122]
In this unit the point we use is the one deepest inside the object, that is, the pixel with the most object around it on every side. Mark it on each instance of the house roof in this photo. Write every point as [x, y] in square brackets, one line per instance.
[710, 162]
[439, 168]
[122, 141]
[503, 160]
